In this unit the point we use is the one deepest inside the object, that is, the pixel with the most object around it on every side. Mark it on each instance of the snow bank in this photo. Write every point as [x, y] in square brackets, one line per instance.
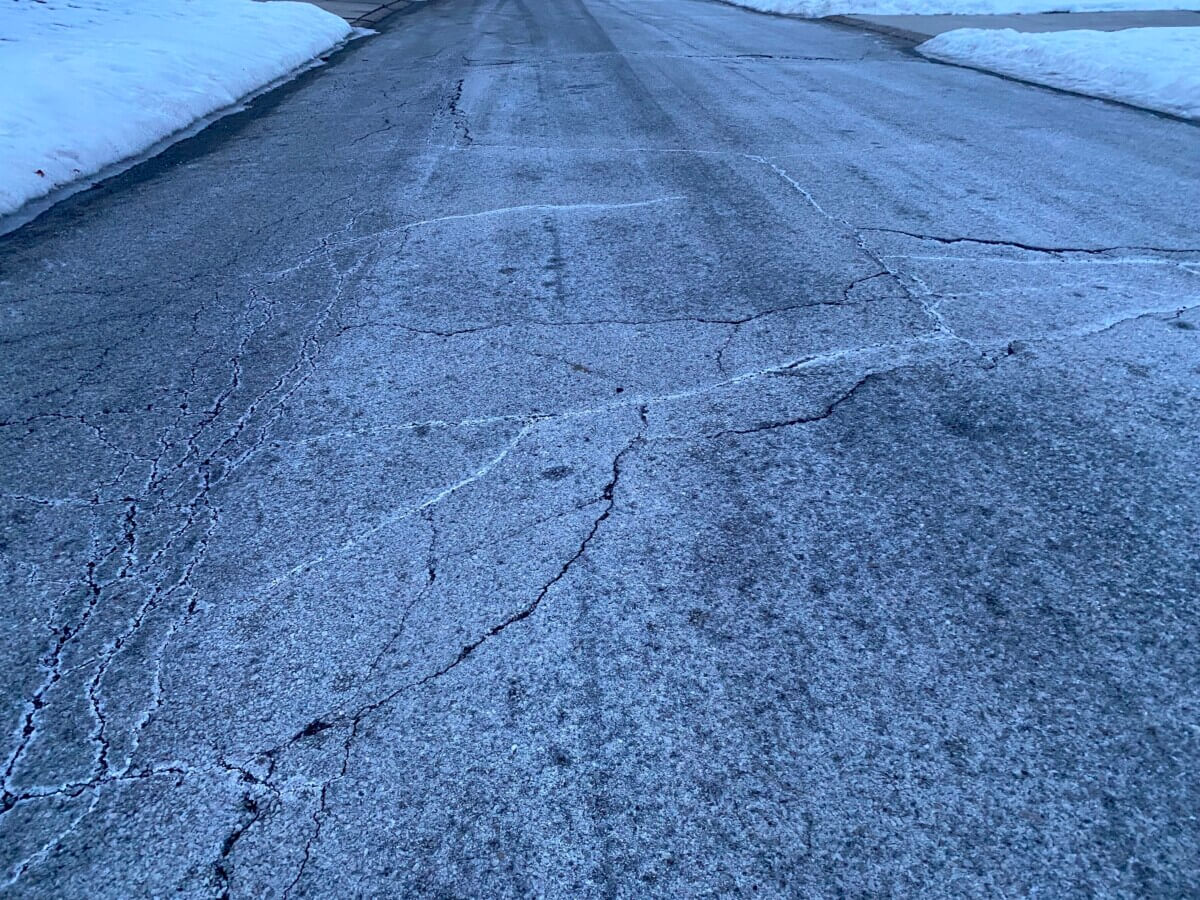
[1157, 68]
[817, 8]
[87, 83]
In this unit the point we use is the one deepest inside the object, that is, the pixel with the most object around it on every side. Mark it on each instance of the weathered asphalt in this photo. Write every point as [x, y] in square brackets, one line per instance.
[602, 448]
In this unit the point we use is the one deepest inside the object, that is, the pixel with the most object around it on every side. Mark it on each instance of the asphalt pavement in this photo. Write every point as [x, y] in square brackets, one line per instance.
[601, 448]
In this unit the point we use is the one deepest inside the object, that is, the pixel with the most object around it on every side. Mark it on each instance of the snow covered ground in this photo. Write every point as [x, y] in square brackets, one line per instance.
[818, 8]
[87, 83]
[1157, 68]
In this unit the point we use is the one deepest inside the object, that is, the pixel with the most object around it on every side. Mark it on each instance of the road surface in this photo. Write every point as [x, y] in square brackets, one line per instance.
[602, 448]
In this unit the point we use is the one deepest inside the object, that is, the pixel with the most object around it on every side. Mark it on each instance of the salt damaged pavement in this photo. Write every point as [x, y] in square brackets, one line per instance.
[603, 448]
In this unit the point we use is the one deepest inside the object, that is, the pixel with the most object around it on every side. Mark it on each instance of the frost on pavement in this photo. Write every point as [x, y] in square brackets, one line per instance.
[1157, 68]
[88, 83]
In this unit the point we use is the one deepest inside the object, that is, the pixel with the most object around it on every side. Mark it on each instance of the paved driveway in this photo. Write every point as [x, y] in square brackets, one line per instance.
[602, 448]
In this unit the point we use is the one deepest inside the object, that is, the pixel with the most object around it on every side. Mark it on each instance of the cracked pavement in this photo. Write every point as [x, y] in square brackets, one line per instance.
[599, 449]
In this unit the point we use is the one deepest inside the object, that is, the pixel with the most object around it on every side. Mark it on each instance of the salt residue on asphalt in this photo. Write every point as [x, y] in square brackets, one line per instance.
[817, 8]
[87, 83]
[1157, 68]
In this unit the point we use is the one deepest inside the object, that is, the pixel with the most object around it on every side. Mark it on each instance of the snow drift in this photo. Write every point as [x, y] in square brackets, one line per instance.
[88, 83]
[818, 8]
[1156, 68]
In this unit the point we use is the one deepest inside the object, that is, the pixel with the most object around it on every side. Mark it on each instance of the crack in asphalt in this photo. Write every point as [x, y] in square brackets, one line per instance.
[828, 410]
[52, 663]
[48, 846]
[735, 322]
[462, 125]
[200, 469]
[607, 497]
[156, 592]
[223, 875]
[819, 361]
[386, 127]
[532, 421]
[326, 722]
[157, 477]
[1032, 248]
[94, 786]
[539, 207]
[425, 504]
[431, 563]
[926, 300]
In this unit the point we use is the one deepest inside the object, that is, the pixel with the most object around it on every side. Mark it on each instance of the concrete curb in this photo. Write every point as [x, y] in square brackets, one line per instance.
[377, 15]
[890, 30]
[366, 13]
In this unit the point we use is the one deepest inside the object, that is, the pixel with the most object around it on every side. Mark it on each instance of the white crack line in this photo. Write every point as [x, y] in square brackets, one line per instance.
[539, 207]
[327, 246]
[929, 343]
[39, 855]
[532, 421]
[405, 513]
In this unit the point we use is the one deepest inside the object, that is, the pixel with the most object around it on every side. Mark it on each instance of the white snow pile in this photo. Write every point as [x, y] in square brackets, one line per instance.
[817, 8]
[1156, 68]
[87, 83]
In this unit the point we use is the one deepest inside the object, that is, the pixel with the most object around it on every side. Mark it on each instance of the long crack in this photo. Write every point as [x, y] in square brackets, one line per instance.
[156, 592]
[926, 300]
[1032, 248]
[847, 355]
[127, 547]
[607, 497]
[354, 720]
[828, 410]
[462, 125]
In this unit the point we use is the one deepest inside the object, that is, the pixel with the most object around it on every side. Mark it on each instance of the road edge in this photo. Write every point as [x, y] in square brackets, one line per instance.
[107, 178]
